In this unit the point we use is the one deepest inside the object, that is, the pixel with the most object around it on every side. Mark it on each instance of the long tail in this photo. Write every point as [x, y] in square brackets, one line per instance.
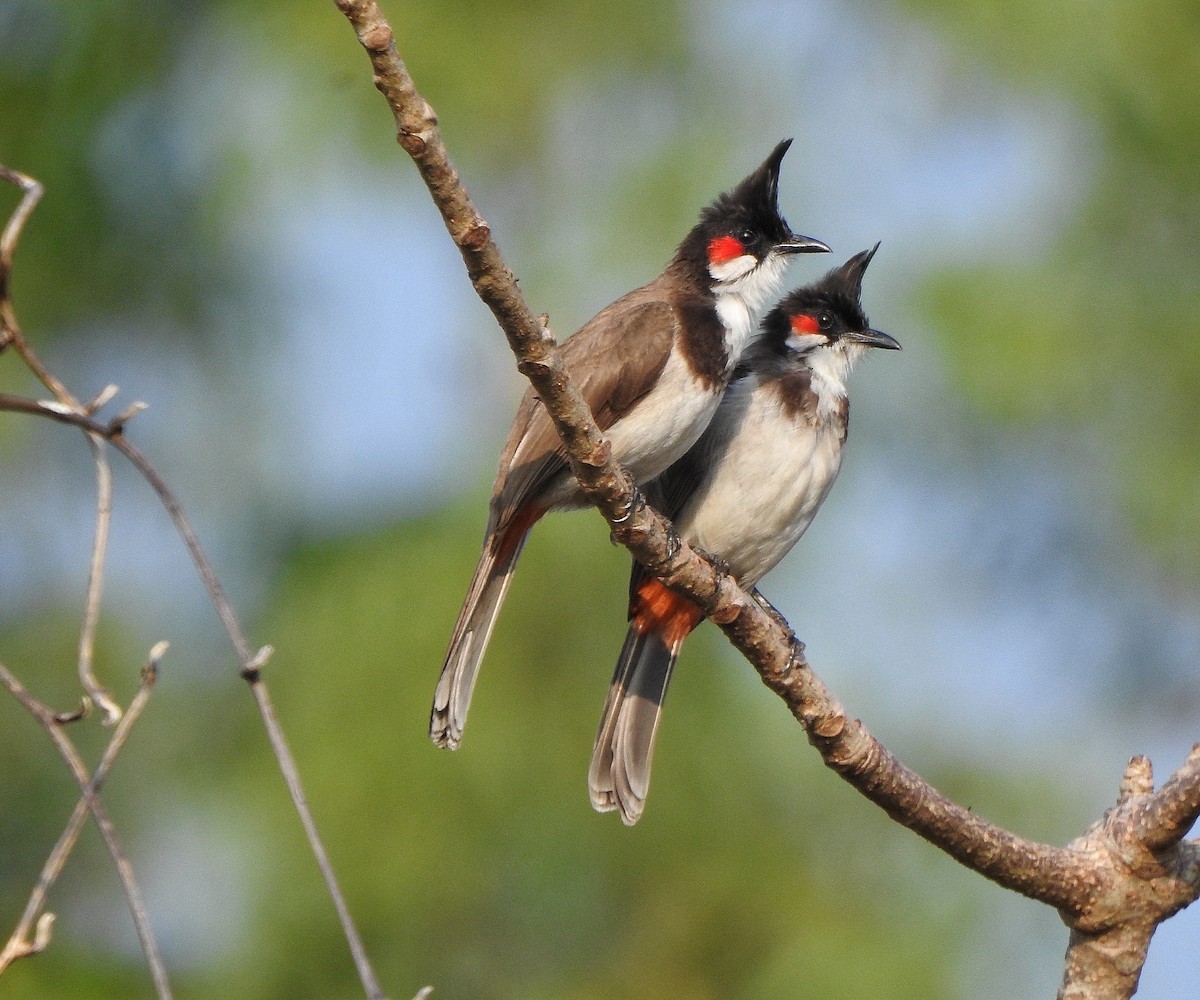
[619, 777]
[452, 697]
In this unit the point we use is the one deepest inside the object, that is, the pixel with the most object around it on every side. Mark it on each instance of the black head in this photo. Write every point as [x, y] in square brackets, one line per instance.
[746, 222]
[826, 312]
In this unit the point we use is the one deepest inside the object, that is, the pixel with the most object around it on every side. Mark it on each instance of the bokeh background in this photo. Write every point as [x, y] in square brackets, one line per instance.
[1003, 584]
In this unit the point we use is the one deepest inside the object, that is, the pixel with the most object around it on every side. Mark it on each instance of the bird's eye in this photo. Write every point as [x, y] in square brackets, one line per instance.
[748, 237]
[825, 320]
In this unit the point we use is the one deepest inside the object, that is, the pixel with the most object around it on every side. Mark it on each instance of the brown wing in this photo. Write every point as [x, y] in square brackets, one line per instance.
[615, 359]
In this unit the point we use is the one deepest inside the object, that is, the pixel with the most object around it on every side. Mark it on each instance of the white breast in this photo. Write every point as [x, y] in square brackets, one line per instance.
[666, 422]
[770, 475]
[743, 288]
[673, 415]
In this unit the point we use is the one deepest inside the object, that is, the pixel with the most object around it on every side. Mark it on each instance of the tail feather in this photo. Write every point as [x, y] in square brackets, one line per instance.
[619, 777]
[489, 585]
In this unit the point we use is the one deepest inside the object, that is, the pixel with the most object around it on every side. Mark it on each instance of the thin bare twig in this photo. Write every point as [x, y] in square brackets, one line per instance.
[10, 329]
[133, 893]
[11, 334]
[291, 776]
[11, 234]
[19, 944]
[66, 409]
[95, 585]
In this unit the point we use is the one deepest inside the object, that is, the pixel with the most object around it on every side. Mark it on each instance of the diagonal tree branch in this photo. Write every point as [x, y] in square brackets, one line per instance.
[1071, 879]
[768, 644]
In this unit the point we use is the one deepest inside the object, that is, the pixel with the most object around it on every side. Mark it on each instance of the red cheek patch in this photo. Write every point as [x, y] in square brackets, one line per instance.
[724, 248]
[804, 323]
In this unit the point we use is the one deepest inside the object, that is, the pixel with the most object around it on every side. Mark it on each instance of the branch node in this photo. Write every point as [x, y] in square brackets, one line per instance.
[1138, 778]
[150, 670]
[601, 455]
[66, 718]
[729, 613]
[252, 670]
[377, 39]
[108, 705]
[54, 406]
[117, 424]
[476, 239]
[828, 726]
[533, 369]
[414, 143]
[43, 933]
[105, 395]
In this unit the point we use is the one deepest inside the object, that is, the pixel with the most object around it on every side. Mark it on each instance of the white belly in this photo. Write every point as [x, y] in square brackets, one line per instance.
[665, 423]
[670, 418]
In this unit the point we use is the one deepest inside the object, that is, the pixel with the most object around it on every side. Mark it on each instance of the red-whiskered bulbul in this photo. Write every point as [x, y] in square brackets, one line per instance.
[652, 367]
[745, 493]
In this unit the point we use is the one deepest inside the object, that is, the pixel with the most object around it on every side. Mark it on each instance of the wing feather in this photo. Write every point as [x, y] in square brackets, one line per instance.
[616, 358]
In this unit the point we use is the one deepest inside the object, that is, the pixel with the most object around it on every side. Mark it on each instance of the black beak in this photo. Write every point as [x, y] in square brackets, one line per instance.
[801, 244]
[872, 338]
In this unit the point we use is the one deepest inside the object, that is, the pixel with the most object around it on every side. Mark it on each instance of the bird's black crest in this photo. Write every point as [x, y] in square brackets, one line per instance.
[752, 205]
[838, 292]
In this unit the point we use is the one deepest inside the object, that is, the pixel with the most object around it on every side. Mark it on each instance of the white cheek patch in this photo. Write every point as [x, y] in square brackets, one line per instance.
[732, 270]
[759, 283]
[805, 342]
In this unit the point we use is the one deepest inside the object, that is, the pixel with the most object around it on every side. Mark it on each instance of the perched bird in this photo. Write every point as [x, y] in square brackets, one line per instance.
[652, 367]
[745, 493]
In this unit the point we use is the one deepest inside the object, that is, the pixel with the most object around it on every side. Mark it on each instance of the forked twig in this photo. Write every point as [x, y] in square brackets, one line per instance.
[12, 335]
[19, 944]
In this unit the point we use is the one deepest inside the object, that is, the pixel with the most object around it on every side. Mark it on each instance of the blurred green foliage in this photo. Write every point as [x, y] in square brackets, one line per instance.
[486, 871]
[1097, 342]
